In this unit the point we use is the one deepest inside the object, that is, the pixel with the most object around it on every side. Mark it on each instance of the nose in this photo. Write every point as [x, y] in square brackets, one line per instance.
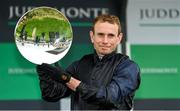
[105, 39]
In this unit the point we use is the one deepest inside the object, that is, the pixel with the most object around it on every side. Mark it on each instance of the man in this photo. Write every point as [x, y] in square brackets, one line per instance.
[103, 80]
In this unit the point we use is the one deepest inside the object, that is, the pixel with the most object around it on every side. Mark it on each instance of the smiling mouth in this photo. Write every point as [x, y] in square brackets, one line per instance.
[105, 47]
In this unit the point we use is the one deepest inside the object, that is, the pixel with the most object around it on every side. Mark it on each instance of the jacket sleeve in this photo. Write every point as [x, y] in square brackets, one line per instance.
[52, 90]
[125, 80]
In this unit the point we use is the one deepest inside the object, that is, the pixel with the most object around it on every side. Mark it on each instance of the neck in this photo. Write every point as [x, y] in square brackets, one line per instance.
[100, 56]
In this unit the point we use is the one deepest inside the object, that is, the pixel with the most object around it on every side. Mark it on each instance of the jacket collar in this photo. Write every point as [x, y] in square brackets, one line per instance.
[104, 58]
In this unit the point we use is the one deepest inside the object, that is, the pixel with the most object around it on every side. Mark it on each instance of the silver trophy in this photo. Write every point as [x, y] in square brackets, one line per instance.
[43, 35]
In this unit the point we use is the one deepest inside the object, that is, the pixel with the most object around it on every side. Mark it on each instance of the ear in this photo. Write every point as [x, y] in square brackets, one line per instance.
[91, 33]
[119, 38]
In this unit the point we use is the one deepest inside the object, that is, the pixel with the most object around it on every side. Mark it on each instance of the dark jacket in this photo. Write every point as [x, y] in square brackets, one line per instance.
[109, 83]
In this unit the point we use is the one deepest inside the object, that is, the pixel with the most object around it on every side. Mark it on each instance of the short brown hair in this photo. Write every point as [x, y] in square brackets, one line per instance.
[112, 19]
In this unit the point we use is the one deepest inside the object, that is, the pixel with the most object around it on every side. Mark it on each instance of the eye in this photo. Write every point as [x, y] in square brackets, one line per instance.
[111, 35]
[100, 34]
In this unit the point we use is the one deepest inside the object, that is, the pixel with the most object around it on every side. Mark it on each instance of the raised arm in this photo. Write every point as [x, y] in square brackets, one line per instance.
[51, 90]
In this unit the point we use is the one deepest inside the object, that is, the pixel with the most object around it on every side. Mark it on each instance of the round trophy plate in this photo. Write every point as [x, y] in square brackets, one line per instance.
[43, 35]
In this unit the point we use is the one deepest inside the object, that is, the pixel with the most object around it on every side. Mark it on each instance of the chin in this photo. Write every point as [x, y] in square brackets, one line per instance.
[105, 52]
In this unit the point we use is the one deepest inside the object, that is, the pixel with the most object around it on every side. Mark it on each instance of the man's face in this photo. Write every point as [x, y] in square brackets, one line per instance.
[105, 37]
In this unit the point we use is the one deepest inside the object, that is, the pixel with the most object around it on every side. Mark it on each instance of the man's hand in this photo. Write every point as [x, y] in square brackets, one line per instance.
[55, 73]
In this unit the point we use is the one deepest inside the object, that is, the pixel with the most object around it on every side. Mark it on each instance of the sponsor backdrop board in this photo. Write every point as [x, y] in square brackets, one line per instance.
[18, 79]
[153, 38]
[153, 35]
